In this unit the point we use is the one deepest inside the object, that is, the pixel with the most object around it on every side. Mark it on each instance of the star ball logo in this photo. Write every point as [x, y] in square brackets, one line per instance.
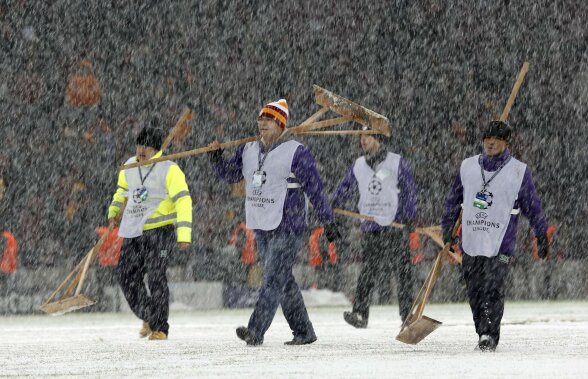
[375, 186]
[140, 195]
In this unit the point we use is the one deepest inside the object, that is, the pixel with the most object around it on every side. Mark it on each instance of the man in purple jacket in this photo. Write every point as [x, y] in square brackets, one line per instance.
[278, 173]
[491, 189]
[387, 192]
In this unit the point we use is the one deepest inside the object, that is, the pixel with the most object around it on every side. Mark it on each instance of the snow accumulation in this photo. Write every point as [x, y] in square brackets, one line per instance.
[539, 340]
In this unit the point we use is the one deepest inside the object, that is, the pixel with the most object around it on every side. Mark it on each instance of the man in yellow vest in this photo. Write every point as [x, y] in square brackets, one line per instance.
[157, 198]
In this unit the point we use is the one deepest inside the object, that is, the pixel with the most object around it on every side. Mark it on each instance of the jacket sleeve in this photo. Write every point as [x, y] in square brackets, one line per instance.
[120, 196]
[231, 170]
[304, 167]
[452, 205]
[531, 205]
[178, 191]
[407, 198]
[346, 188]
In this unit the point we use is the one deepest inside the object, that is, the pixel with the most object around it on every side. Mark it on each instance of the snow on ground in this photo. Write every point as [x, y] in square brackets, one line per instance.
[539, 340]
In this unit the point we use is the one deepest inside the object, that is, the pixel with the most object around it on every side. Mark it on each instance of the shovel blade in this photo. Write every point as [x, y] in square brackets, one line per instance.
[67, 305]
[417, 330]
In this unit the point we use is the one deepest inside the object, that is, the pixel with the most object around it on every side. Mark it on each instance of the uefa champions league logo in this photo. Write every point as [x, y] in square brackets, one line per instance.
[375, 186]
[140, 195]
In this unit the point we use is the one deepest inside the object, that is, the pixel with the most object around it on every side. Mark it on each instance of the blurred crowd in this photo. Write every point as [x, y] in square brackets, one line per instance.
[438, 72]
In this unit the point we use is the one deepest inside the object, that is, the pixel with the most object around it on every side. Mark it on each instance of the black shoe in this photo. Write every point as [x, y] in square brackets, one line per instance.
[355, 319]
[244, 334]
[301, 340]
[486, 343]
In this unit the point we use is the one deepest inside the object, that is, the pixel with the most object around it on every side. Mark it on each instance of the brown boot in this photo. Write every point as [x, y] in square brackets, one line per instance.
[157, 336]
[145, 330]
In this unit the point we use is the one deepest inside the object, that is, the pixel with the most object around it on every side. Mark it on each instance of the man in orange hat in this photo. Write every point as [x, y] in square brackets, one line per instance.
[278, 174]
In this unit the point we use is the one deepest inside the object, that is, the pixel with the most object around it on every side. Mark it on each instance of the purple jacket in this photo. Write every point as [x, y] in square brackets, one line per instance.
[304, 168]
[406, 199]
[527, 201]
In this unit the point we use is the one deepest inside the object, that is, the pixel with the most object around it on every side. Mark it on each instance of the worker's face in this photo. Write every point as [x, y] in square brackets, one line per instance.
[494, 146]
[145, 153]
[368, 143]
[269, 130]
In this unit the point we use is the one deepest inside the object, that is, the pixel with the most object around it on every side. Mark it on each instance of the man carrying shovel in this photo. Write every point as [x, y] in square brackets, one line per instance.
[387, 192]
[157, 198]
[278, 174]
[492, 188]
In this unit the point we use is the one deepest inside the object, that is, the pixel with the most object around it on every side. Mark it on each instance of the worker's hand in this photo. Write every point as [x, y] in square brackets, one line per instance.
[542, 246]
[409, 227]
[183, 246]
[216, 154]
[332, 232]
[448, 237]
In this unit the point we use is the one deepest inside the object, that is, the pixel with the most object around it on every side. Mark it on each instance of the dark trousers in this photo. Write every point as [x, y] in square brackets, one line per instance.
[277, 252]
[147, 254]
[384, 253]
[485, 283]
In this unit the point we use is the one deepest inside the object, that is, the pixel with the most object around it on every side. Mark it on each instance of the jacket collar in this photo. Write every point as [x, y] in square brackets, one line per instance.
[492, 163]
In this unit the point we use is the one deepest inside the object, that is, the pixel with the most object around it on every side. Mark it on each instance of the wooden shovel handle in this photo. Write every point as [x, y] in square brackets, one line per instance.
[184, 117]
[339, 132]
[436, 269]
[189, 153]
[73, 272]
[90, 257]
[515, 91]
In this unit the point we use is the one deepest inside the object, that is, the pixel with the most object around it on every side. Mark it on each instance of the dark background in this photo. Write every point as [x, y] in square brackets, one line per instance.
[438, 72]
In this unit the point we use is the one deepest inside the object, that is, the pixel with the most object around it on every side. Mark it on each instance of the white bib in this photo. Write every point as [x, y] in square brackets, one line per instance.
[266, 194]
[378, 190]
[139, 208]
[482, 230]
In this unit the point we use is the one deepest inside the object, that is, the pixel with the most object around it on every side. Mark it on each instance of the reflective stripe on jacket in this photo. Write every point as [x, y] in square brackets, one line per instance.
[176, 208]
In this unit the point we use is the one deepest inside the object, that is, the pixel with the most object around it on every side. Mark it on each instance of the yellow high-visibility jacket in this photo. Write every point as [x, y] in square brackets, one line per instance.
[176, 208]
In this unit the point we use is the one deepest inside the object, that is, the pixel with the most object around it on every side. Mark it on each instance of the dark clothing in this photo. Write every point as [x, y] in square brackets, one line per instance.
[147, 254]
[277, 251]
[528, 202]
[485, 279]
[385, 252]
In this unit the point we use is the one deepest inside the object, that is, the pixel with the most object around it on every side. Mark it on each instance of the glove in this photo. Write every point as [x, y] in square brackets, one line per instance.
[542, 246]
[447, 237]
[332, 232]
[409, 227]
[215, 155]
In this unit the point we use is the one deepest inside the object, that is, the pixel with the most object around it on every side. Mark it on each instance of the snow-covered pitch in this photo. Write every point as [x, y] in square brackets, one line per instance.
[539, 340]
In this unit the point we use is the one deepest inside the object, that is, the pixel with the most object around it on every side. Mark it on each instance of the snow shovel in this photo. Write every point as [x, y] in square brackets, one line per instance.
[417, 326]
[433, 232]
[70, 301]
[348, 111]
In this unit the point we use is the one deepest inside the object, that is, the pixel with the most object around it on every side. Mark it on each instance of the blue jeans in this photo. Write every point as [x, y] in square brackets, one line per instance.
[277, 251]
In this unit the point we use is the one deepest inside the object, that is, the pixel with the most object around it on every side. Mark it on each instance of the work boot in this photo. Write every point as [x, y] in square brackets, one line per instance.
[145, 330]
[244, 334]
[355, 319]
[301, 340]
[486, 343]
[157, 336]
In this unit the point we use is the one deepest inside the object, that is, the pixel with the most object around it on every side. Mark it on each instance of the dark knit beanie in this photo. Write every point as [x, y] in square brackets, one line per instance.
[498, 129]
[150, 137]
